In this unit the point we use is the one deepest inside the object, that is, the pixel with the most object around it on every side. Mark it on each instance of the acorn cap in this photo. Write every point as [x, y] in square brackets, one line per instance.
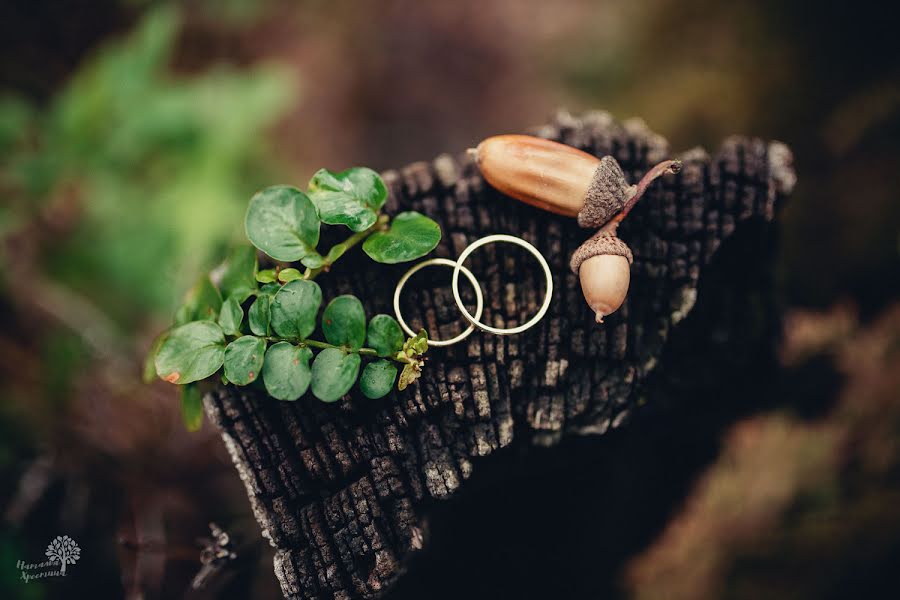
[606, 195]
[602, 243]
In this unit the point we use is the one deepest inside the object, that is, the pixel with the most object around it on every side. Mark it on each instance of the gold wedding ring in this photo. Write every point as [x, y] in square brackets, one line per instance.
[446, 262]
[508, 239]
[458, 267]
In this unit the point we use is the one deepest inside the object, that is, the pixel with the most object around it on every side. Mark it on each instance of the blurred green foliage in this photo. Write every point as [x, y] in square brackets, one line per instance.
[116, 193]
[157, 167]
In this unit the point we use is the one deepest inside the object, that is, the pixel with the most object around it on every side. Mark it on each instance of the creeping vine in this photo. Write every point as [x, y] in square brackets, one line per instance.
[254, 326]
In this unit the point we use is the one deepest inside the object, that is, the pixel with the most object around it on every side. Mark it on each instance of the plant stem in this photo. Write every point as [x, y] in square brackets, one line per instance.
[667, 166]
[317, 344]
[379, 225]
[324, 345]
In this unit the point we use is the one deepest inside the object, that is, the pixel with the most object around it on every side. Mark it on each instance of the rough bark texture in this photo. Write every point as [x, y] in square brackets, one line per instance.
[341, 489]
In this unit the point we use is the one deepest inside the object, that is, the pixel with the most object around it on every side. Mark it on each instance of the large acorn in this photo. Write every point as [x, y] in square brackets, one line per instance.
[567, 181]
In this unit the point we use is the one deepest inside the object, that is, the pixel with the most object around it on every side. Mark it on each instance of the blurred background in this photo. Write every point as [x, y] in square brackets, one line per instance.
[133, 133]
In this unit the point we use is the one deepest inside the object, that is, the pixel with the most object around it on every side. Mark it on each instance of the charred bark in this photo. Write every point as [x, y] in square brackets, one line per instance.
[340, 490]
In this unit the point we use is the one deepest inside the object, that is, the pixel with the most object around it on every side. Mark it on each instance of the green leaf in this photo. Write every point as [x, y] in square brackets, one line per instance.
[336, 208]
[148, 374]
[352, 197]
[239, 272]
[191, 352]
[244, 359]
[266, 276]
[420, 342]
[410, 236]
[259, 315]
[282, 222]
[192, 407]
[410, 373]
[417, 344]
[313, 261]
[344, 322]
[335, 253]
[231, 315]
[202, 303]
[385, 335]
[333, 374]
[362, 183]
[377, 379]
[286, 371]
[294, 309]
[286, 275]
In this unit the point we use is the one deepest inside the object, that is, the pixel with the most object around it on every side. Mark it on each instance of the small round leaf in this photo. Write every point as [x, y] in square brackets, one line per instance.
[410, 236]
[286, 371]
[377, 379]
[385, 335]
[244, 359]
[259, 314]
[362, 183]
[352, 197]
[294, 309]
[333, 374]
[336, 252]
[191, 352]
[266, 276]
[344, 322]
[231, 315]
[286, 275]
[338, 208]
[282, 222]
[313, 261]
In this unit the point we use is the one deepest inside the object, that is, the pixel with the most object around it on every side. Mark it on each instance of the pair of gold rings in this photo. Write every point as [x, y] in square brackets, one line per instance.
[458, 267]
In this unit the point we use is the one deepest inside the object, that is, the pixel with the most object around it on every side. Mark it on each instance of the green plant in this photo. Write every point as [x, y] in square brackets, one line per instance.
[256, 325]
[131, 149]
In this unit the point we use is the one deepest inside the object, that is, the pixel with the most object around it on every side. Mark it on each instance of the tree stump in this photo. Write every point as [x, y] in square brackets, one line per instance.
[340, 490]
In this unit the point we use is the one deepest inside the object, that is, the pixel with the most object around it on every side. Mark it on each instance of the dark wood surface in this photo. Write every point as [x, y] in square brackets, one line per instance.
[343, 490]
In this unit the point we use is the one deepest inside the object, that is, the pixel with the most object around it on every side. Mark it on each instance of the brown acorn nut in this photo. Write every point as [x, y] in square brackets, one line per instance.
[603, 264]
[604, 283]
[555, 177]
[545, 174]
[567, 181]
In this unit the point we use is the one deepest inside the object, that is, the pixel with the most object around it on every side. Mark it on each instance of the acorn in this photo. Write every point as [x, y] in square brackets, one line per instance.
[566, 181]
[603, 265]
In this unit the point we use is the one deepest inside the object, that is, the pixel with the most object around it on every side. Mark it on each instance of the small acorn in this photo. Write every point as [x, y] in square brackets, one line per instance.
[603, 264]
[567, 181]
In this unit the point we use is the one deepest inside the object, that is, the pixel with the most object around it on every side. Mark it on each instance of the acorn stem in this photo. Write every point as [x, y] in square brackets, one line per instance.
[666, 166]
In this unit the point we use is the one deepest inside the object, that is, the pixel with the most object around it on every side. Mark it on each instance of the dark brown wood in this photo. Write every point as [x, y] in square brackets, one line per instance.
[341, 489]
